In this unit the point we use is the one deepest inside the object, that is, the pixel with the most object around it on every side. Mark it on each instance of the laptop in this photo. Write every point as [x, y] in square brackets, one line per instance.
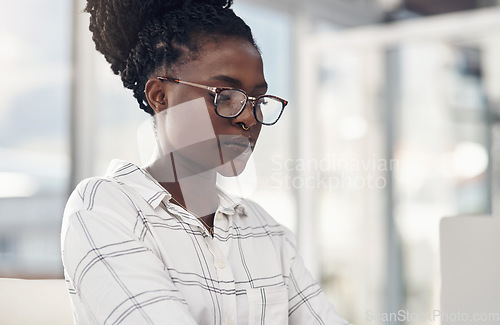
[470, 270]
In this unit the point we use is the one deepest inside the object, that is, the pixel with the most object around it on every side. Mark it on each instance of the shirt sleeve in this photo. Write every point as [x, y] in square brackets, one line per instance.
[307, 302]
[112, 274]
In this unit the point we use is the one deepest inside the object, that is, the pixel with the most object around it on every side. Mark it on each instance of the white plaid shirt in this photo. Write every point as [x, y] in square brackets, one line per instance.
[132, 257]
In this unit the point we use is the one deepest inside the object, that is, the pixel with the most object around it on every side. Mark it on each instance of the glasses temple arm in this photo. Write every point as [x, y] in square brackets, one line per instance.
[212, 89]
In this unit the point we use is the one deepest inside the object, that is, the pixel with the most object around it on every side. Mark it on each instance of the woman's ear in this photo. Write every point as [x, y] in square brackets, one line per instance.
[155, 94]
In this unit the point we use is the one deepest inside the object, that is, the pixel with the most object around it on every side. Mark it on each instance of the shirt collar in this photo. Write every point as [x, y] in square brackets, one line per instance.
[139, 180]
[230, 204]
[153, 193]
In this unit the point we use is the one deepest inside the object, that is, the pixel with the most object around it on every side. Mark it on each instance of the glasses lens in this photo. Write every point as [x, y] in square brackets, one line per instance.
[230, 102]
[268, 110]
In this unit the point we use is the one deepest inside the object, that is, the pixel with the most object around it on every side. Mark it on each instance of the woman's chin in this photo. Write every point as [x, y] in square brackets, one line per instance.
[232, 168]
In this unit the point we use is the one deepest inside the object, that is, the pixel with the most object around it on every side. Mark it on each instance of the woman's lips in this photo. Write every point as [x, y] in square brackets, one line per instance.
[236, 142]
[235, 146]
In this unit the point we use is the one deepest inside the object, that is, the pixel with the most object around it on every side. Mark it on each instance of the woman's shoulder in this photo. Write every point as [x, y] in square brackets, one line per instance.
[91, 193]
[122, 187]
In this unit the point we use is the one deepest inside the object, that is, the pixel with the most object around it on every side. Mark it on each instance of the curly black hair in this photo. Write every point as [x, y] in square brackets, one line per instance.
[138, 37]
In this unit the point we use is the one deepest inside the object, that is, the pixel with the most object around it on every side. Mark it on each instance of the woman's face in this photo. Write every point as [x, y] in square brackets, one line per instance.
[198, 139]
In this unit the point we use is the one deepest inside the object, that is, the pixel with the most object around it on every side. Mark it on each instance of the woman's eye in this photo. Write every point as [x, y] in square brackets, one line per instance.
[224, 98]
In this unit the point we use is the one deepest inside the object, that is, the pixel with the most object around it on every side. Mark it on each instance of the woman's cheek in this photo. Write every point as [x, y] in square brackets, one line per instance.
[185, 125]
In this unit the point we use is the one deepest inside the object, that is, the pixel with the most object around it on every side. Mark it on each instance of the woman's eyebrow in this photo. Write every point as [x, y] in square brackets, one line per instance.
[237, 83]
[231, 81]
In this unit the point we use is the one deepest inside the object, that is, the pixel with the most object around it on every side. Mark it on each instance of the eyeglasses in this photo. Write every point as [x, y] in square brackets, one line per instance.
[230, 102]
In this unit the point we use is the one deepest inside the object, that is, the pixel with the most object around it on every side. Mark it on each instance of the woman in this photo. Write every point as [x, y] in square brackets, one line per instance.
[163, 244]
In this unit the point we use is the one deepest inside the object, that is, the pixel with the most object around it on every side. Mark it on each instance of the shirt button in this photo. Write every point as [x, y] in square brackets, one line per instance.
[229, 321]
[221, 264]
[219, 216]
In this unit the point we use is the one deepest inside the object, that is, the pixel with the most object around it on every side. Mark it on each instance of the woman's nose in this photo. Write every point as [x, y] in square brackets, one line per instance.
[247, 117]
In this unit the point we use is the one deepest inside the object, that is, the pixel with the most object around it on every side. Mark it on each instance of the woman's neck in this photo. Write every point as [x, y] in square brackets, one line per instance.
[188, 184]
[196, 193]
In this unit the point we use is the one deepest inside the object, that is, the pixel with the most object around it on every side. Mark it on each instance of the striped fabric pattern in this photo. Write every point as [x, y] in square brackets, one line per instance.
[132, 256]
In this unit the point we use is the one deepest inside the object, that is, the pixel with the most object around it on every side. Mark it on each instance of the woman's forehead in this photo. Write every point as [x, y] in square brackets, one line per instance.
[227, 61]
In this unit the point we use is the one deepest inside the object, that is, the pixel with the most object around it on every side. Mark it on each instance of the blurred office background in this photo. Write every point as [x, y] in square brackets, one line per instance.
[387, 131]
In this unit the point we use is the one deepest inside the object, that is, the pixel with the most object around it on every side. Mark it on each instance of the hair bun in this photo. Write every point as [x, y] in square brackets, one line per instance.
[215, 3]
[115, 24]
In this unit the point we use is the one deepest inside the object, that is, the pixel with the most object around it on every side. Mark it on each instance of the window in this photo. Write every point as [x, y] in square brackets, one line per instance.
[34, 164]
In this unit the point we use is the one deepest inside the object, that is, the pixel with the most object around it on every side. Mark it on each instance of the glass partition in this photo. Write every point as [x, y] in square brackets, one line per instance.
[401, 138]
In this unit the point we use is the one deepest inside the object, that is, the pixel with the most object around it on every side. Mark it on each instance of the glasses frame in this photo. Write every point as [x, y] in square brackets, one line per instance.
[217, 90]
